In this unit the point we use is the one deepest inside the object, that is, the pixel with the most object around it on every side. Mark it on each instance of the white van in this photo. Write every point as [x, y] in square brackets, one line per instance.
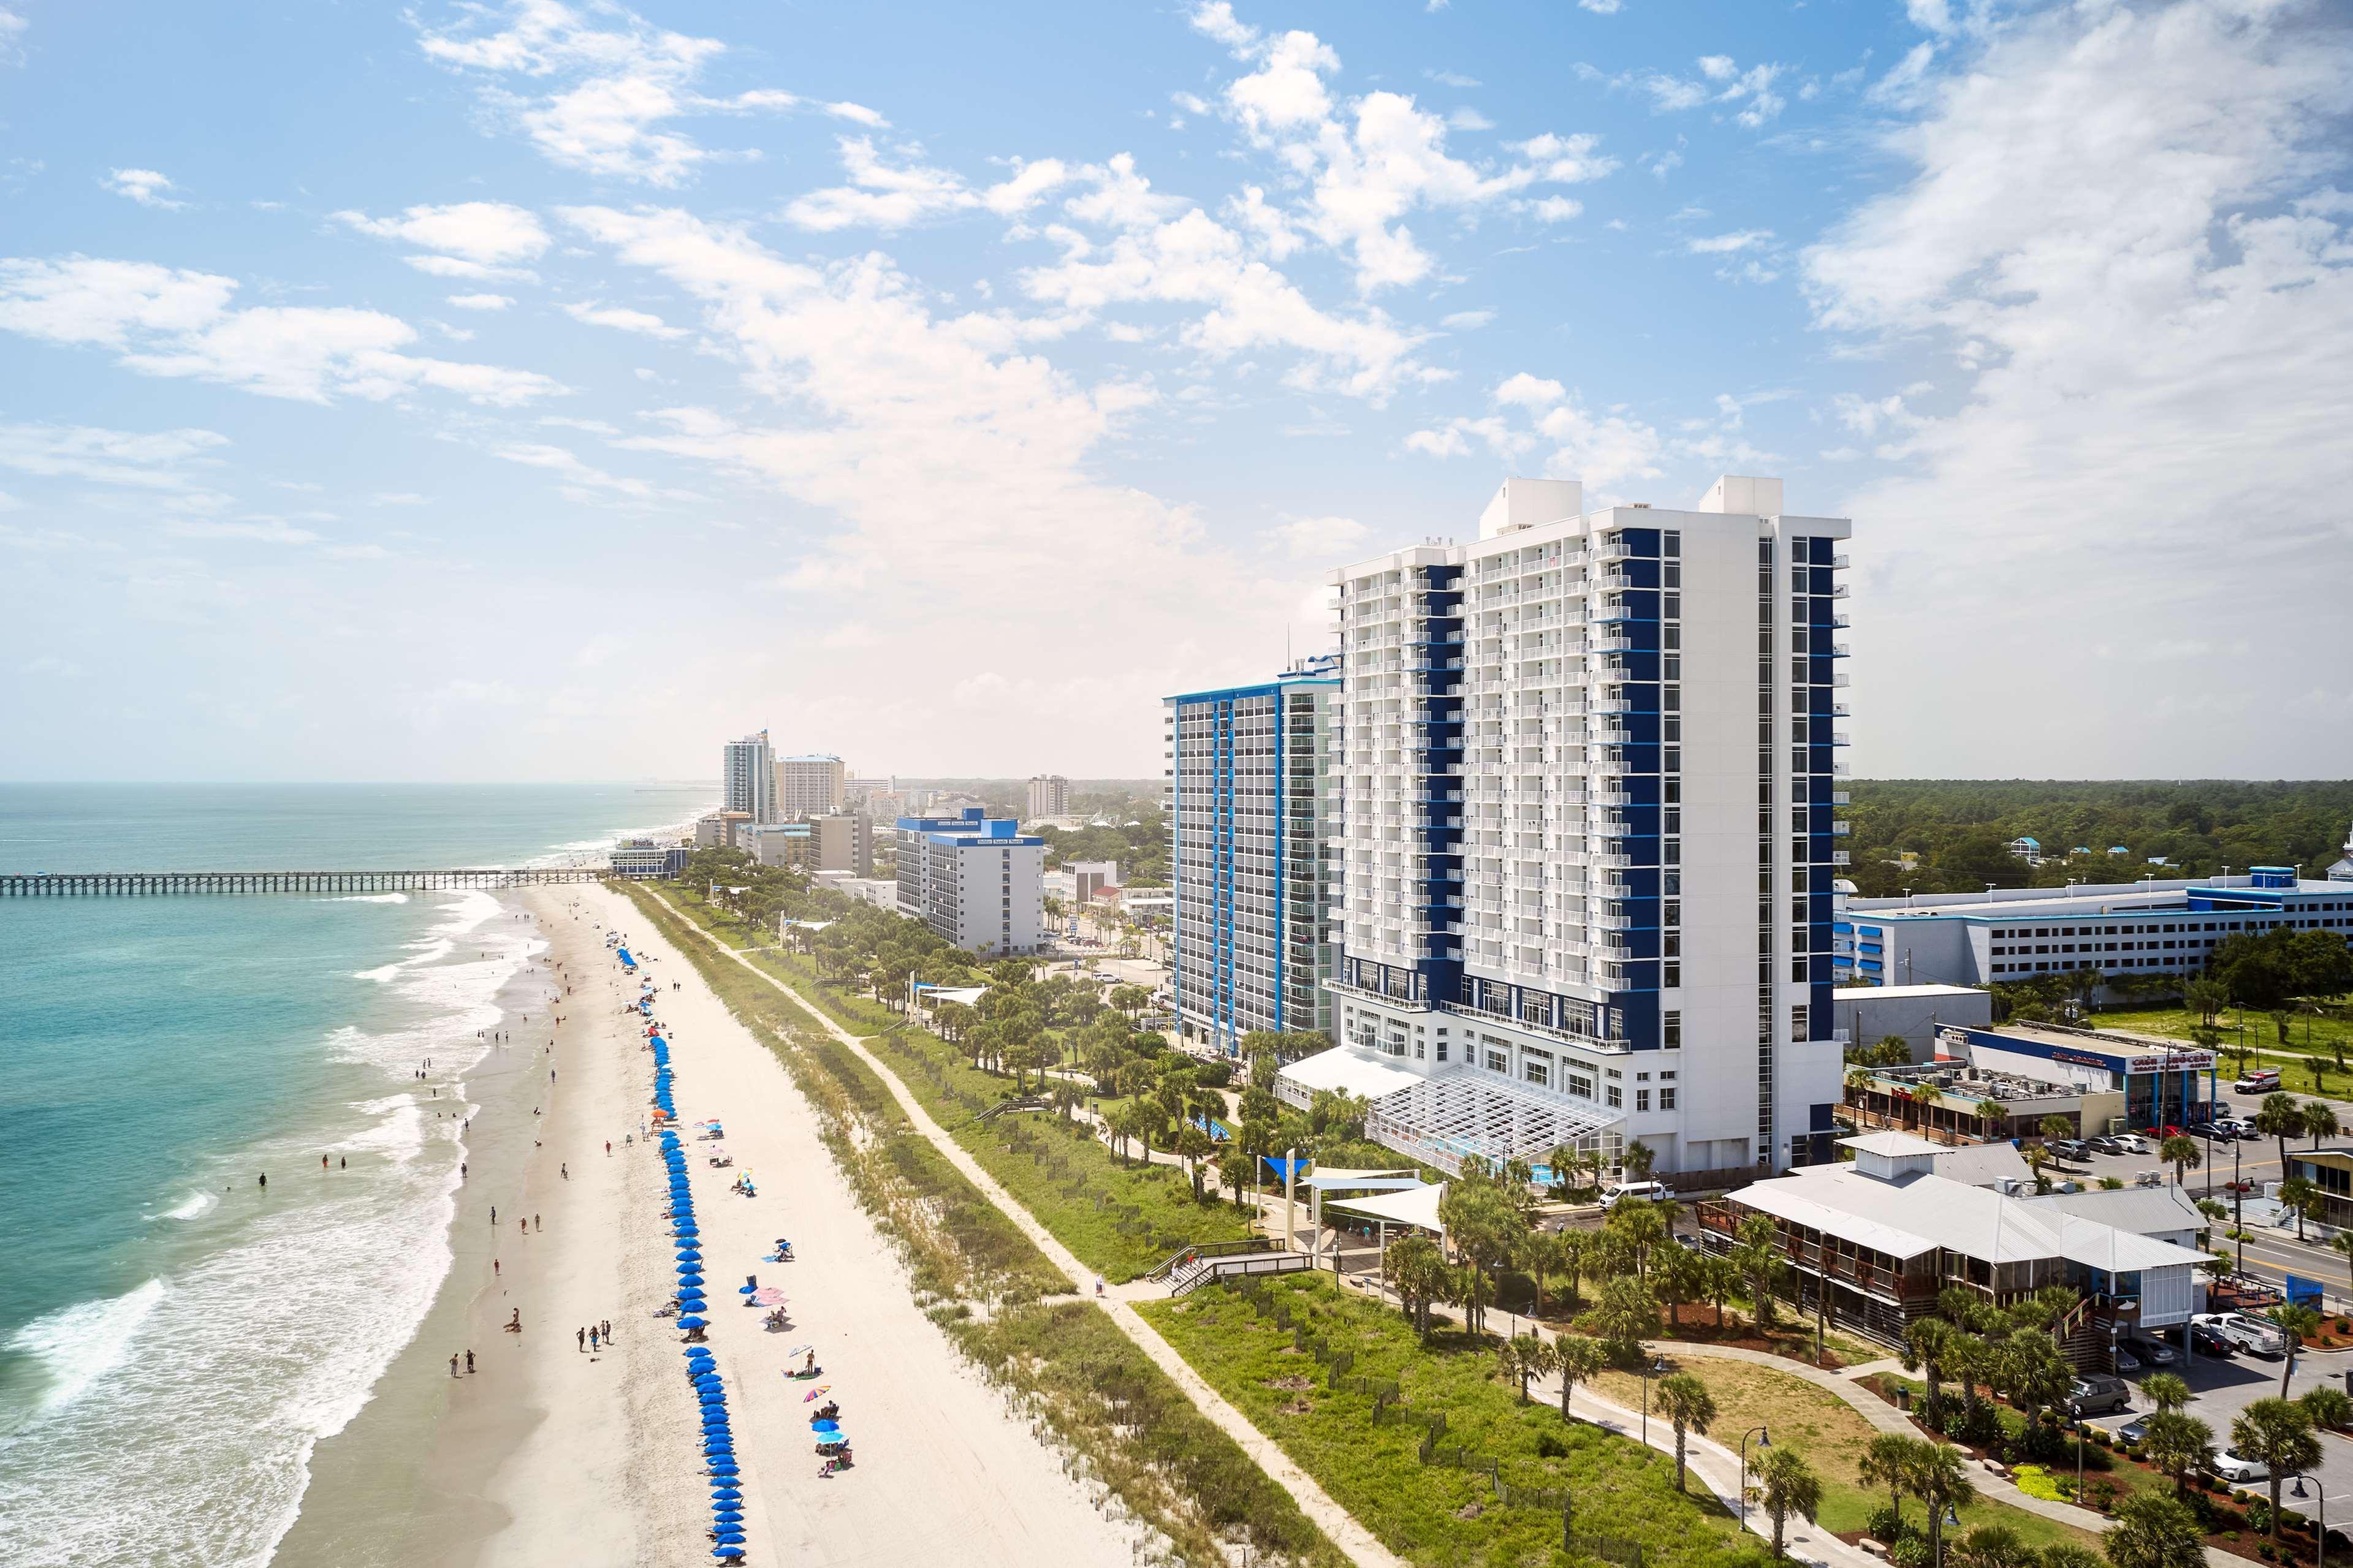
[1649, 1192]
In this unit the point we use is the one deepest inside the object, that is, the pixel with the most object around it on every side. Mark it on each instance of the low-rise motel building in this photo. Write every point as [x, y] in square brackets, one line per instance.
[2003, 1081]
[1873, 1240]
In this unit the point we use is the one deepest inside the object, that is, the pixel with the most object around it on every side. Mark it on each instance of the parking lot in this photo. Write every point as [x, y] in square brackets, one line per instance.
[2223, 1388]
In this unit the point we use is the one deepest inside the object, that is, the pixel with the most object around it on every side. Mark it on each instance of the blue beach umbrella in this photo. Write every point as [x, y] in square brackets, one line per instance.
[746, 1290]
[689, 1255]
[824, 1425]
[713, 1398]
[692, 1323]
[725, 1494]
[728, 1553]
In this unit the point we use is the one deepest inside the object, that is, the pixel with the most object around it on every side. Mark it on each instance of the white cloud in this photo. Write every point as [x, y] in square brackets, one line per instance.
[1726, 244]
[1721, 81]
[168, 323]
[1452, 78]
[601, 99]
[886, 196]
[484, 234]
[12, 30]
[1469, 119]
[1216, 19]
[580, 480]
[145, 186]
[990, 453]
[594, 313]
[1466, 320]
[1603, 7]
[1371, 162]
[480, 301]
[2119, 227]
[154, 461]
[1604, 449]
[1323, 539]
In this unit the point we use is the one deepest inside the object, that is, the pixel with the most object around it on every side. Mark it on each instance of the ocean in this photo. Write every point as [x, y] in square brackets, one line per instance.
[175, 1338]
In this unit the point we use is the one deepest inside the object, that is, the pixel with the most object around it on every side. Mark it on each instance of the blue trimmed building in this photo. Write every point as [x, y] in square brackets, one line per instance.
[1250, 821]
[1590, 767]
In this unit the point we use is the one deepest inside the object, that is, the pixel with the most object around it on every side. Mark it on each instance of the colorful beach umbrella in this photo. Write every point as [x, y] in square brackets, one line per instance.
[692, 1323]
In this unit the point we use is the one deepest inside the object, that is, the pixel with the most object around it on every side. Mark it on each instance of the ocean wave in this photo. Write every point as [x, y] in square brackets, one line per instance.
[83, 1342]
[191, 1206]
[366, 899]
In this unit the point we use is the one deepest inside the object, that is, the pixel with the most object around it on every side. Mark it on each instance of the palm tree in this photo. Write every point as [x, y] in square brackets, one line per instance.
[1920, 1097]
[1415, 1270]
[1688, 1406]
[2298, 1323]
[1888, 1462]
[1786, 1484]
[2320, 1121]
[2154, 1531]
[2280, 1119]
[2180, 1151]
[1991, 1111]
[2342, 1244]
[1925, 1344]
[2278, 1434]
[1938, 1480]
[2178, 1444]
[1537, 1358]
[2331, 1409]
[1578, 1360]
[2301, 1197]
[2165, 1391]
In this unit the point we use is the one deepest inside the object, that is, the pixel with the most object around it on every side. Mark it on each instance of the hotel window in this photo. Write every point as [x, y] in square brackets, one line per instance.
[1498, 1061]
[1537, 1069]
[1614, 1097]
[1667, 1099]
[1641, 1099]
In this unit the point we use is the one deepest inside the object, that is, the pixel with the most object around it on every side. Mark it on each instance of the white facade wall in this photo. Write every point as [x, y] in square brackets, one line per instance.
[1637, 907]
[1050, 796]
[811, 787]
[984, 895]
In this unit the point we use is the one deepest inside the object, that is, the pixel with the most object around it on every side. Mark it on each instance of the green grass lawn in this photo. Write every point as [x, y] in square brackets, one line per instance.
[1057, 1169]
[1434, 1514]
[859, 1014]
[2320, 1039]
[1830, 1432]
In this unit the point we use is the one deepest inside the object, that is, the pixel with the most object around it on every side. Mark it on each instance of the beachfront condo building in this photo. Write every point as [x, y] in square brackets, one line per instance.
[747, 775]
[815, 786]
[1251, 818]
[1591, 766]
[1050, 796]
[978, 882]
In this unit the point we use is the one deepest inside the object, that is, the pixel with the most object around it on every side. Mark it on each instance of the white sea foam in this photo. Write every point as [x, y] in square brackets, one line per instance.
[366, 899]
[255, 1352]
[82, 1343]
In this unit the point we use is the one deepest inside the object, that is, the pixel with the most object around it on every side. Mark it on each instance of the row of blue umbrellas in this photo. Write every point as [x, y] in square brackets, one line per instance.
[701, 1366]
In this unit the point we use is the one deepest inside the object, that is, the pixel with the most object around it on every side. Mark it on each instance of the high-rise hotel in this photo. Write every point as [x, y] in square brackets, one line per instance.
[1589, 765]
[1251, 823]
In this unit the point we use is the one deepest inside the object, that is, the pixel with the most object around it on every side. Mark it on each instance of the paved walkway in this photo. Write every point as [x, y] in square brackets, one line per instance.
[1335, 1522]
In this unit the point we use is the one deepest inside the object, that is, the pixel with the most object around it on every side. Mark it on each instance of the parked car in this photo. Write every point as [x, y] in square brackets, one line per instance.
[2236, 1467]
[2209, 1342]
[2151, 1351]
[2071, 1149]
[2133, 1431]
[2133, 1144]
[2251, 1335]
[2229, 1128]
[2095, 1392]
[1617, 1192]
[2127, 1362]
[2103, 1144]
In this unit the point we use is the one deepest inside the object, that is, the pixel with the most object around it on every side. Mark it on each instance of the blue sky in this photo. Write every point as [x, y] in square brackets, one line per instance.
[539, 390]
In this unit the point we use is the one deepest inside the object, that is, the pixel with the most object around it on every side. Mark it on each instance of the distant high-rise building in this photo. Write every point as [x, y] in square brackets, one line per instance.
[1591, 799]
[815, 786]
[1050, 796]
[1251, 819]
[748, 774]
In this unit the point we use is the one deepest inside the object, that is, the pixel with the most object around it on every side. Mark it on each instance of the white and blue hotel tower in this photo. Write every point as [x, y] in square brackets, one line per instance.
[1589, 769]
[1251, 823]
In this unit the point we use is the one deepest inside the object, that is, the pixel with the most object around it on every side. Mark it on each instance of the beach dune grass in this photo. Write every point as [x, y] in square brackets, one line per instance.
[1103, 1398]
[1435, 1514]
[1056, 1168]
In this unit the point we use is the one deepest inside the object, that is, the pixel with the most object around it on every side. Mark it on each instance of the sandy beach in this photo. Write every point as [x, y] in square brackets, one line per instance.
[546, 1453]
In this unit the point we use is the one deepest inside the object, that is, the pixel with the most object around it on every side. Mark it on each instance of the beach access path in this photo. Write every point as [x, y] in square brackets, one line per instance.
[1361, 1545]
[945, 1472]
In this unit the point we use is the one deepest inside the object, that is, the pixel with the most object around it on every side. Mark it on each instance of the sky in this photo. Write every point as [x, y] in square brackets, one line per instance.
[549, 390]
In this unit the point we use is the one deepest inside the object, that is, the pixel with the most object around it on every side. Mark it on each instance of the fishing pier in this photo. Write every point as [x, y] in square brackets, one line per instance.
[175, 884]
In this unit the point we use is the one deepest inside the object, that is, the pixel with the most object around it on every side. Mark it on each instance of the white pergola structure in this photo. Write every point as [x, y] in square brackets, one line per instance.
[1442, 1120]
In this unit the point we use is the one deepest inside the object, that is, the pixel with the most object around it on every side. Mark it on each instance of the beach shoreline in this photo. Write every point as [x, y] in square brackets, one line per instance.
[547, 1454]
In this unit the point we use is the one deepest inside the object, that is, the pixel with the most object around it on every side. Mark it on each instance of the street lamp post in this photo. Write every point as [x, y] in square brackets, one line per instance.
[2319, 1520]
[1763, 1441]
[1650, 1369]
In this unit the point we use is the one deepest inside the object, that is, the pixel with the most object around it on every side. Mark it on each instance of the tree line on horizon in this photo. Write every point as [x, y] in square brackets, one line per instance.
[1960, 830]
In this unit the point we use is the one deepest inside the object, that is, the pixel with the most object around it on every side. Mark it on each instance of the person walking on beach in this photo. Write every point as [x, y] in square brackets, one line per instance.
[535, 1225]
[470, 1363]
[592, 1339]
[580, 1339]
[567, 1170]
[495, 1213]
[609, 1331]
[264, 1181]
[514, 1324]
[453, 1366]
[494, 1268]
